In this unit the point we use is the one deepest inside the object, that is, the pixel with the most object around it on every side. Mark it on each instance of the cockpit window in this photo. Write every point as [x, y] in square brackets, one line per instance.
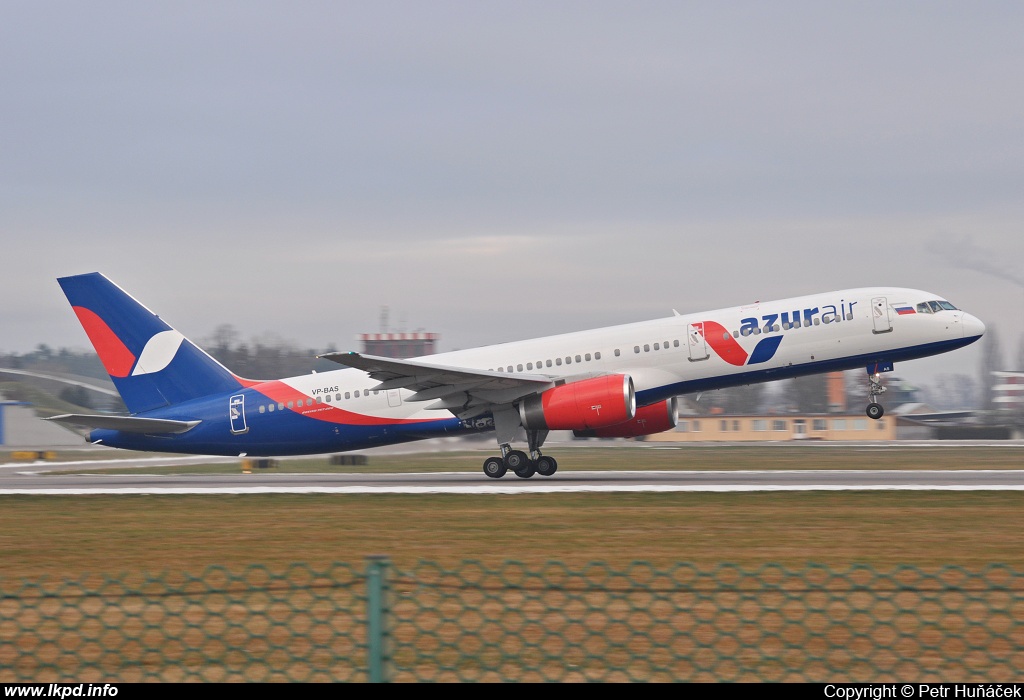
[934, 307]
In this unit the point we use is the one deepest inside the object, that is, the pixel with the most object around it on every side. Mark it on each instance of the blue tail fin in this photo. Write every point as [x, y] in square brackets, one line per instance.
[152, 365]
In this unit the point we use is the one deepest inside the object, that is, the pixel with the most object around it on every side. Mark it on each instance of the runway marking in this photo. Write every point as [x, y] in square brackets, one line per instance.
[485, 489]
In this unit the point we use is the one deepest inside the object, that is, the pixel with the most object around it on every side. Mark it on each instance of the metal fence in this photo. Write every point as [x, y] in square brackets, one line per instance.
[513, 622]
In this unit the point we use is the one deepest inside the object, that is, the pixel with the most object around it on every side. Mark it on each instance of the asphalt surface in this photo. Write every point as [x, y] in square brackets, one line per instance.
[46, 478]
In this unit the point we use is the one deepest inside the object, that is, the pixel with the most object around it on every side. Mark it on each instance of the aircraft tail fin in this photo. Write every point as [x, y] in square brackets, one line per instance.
[151, 364]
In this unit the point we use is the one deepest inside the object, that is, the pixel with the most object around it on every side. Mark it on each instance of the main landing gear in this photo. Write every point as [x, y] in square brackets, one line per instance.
[875, 388]
[520, 463]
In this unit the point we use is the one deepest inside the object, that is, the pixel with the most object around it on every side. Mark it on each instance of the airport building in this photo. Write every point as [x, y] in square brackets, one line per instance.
[399, 345]
[722, 428]
[1008, 391]
[21, 428]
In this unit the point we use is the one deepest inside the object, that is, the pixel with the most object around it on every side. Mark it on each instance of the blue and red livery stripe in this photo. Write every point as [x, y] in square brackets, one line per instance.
[731, 351]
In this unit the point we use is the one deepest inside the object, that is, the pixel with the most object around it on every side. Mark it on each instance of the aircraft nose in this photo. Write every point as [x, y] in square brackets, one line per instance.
[973, 327]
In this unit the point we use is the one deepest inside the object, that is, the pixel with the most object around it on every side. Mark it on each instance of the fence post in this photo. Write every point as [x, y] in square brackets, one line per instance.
[376, 616]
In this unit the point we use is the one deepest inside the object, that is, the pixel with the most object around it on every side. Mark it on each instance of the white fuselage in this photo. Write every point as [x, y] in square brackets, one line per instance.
[695, 352]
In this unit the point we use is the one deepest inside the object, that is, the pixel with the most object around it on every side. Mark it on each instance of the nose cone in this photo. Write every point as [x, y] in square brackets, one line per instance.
[973, 327]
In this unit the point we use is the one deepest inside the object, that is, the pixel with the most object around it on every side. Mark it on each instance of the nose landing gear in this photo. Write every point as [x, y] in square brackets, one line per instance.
[875, 389]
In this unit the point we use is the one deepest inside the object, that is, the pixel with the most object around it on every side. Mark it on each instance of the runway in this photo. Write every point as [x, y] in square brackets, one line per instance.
[48, 479]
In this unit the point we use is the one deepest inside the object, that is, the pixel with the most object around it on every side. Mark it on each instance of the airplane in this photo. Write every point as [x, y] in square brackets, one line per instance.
[618, 381]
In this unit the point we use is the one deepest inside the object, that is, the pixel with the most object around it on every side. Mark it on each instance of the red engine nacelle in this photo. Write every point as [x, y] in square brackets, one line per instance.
[656, 418]
[583, 405]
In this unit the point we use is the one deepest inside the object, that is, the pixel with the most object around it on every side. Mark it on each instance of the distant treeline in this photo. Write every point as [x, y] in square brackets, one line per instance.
[266, 357]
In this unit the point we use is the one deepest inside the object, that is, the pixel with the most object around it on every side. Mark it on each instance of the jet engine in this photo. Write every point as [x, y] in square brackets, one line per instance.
[656, 418]
[584, 405]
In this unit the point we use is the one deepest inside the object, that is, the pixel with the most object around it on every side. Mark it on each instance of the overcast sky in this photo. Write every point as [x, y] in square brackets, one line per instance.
[499, 170]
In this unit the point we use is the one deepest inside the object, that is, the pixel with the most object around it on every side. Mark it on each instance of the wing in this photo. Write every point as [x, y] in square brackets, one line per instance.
[464, 392]
[127, 424]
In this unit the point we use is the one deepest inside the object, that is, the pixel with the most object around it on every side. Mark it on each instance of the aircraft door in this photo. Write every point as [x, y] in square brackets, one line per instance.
[236, 412]
[697, 344]
[394, 398]
[880, 315]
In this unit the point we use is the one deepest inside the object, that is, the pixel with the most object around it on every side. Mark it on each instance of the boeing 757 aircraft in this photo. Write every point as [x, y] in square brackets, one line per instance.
[620, 381]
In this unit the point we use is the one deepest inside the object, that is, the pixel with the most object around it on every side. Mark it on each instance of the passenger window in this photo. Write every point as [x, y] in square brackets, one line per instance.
[547, 363]
[568, 360]
[657, 346]
[675, 343]
[617, 353]
[735, 334]
[270, 408]
[636, 348]
[291, 404]
[280, 406]
[510, 368]
[262, 408]
[558, 361]
[597, 356]
[348, 395]
[357, 393]
[587, 357]
[529, 365]
[578, 359]
[519, 368]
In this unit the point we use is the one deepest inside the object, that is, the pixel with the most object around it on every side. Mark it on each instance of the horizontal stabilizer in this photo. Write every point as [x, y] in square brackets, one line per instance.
[127, 424]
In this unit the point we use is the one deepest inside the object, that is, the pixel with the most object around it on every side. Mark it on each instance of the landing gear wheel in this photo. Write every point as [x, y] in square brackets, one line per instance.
[494, 467]
[546, 466]
[516, 460]
[526, 471]
[875, 411]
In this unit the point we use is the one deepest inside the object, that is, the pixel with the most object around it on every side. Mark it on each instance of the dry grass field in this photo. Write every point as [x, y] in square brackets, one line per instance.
[120, 587]
[73, 536]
